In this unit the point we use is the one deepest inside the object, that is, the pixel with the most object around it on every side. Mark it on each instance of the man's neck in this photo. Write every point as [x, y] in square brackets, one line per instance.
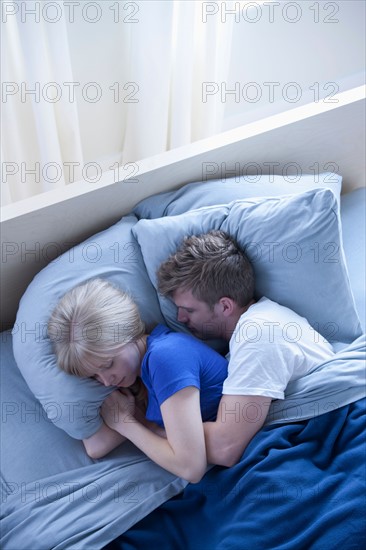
[233, 320]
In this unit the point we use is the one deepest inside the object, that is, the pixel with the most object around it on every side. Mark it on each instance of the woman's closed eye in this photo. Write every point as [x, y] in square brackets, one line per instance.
[107, 365]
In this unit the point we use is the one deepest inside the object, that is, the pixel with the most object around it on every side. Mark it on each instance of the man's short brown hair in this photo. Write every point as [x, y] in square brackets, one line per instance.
[211, 266]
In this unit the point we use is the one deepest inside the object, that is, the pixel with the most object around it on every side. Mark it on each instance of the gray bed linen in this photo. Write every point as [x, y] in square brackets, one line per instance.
[342, 380]
[86, 506]
[53, 494]
[353, 215]
[332, 385]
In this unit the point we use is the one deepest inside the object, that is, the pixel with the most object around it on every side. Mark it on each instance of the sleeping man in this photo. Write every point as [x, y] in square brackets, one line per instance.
[211, 281]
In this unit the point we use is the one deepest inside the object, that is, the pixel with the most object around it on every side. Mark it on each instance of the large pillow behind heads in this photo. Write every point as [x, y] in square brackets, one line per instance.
[224, 191]
[294, 244]
[72, 403]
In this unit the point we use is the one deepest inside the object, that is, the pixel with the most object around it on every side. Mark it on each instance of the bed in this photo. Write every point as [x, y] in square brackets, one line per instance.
[301, 481]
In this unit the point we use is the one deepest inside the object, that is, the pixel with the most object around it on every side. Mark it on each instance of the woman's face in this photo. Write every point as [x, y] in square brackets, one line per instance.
[121, 370]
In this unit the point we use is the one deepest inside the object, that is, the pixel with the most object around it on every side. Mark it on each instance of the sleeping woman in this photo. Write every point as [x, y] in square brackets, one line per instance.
[97, 332]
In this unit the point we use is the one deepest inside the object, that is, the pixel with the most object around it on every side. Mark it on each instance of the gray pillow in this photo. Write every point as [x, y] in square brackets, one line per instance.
[73, 403]
[295, 246]
[223, 191]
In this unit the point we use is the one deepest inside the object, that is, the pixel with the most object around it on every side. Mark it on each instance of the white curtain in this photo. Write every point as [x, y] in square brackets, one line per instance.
[180, 55]
[177, 52]
[40, 126]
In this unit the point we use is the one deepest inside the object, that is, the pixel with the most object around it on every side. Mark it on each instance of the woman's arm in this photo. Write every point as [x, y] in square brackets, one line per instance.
[102, 442]
[183, 452]
[106, 439]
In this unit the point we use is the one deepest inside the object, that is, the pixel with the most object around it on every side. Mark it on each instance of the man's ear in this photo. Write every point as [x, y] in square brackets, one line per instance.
[227, 306]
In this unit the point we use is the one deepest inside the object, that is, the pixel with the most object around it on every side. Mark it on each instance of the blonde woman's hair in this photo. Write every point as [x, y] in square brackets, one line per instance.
[95, 319]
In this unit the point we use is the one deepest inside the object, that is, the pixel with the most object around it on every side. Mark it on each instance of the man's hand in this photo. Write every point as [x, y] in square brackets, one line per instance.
[117, 409]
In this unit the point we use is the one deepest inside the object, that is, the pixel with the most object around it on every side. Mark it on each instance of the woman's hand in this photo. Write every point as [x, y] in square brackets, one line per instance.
[181, 450]
[117, 409]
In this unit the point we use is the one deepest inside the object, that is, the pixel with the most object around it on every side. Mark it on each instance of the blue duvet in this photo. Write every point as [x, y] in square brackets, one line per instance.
[297, 486]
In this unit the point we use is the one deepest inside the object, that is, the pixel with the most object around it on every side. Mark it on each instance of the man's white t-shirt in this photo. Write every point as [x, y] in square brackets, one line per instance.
[270, 346]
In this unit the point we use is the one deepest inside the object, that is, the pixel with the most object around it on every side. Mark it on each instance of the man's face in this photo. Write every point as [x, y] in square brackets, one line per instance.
[201, 320]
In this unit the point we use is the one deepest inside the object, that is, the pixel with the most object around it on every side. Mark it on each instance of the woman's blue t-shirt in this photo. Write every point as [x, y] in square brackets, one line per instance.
[173, 361]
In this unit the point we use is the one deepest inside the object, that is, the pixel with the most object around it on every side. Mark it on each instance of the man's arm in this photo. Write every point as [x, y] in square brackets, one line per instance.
[239, 418]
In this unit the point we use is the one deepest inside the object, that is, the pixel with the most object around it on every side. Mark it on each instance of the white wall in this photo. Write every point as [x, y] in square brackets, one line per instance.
[304, 51]
[318, 46]
[326, 45]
